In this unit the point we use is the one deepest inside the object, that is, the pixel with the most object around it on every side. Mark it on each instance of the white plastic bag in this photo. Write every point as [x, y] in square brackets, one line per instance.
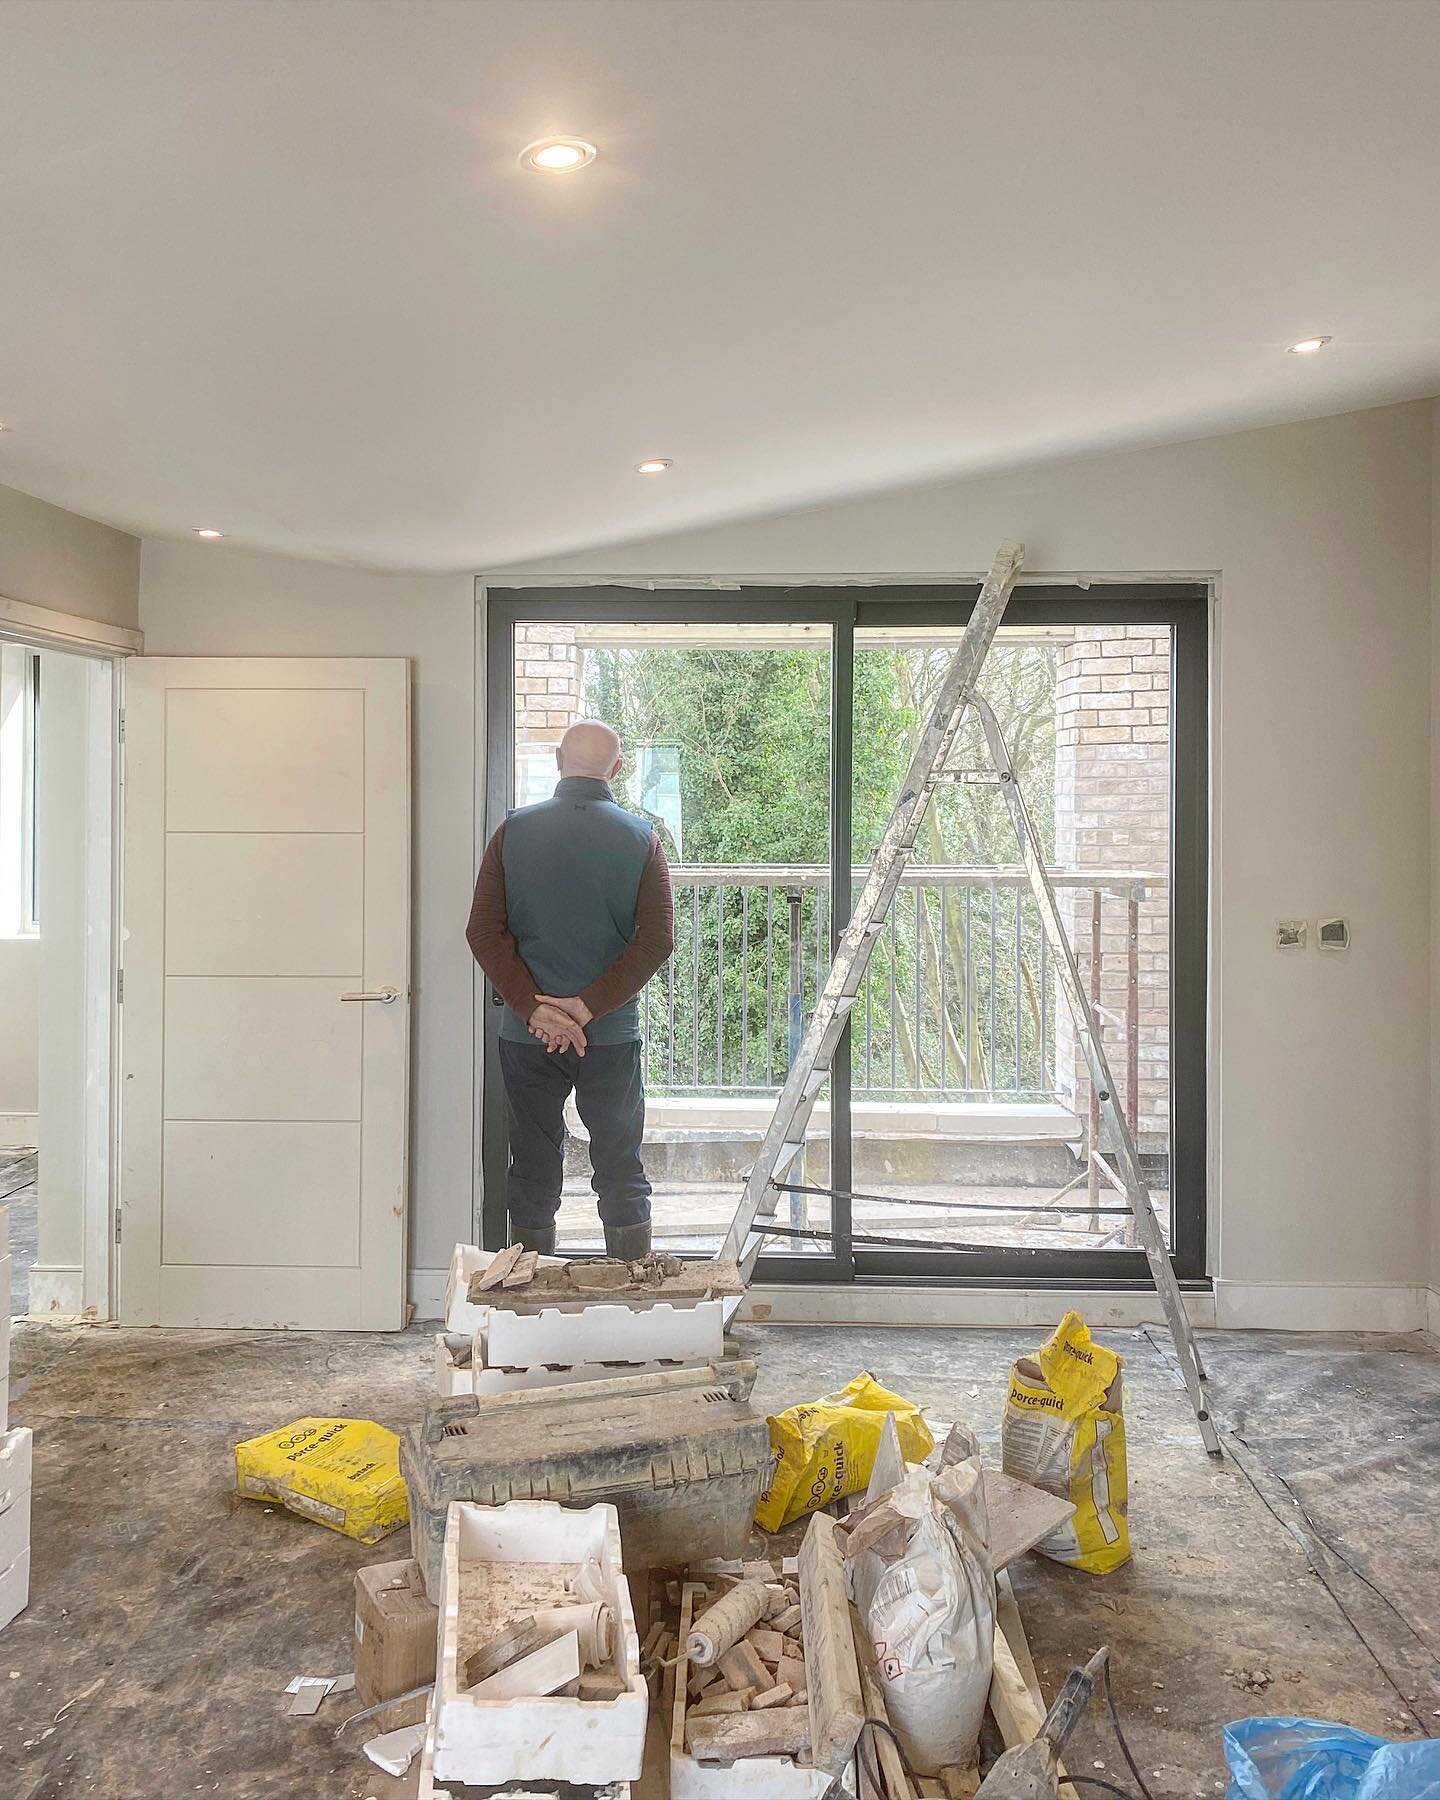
[930, 1615]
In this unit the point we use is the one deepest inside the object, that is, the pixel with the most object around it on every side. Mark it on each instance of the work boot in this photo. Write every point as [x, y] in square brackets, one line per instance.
[540, 1238]
[628, 1243]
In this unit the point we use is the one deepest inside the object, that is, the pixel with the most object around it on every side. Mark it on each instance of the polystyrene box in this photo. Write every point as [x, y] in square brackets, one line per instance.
[462, 1314]
[552, 1737]
[582, 1332]
[453, 1377]
[15, 1468]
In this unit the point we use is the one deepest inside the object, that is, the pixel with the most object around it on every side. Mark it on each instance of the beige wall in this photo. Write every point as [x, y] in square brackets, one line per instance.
[210, 600]
[49, 557]
[1321, 536]
[1435, 876]
[19, 1036]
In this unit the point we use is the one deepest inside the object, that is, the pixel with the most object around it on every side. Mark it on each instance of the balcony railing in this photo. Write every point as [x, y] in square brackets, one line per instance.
[959, 1002]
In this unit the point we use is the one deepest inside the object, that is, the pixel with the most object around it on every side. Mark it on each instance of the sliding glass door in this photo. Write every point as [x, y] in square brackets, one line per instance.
[766, 733]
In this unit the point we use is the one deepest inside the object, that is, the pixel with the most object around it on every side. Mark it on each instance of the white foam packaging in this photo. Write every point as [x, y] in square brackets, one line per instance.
[488, 1743]
[15, 1480]
[453, 1377]
[692, 1332]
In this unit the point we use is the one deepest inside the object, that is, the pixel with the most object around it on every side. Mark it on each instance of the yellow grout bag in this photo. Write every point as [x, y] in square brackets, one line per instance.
[1064, 1431]
[344, 1473]
[824, 1451]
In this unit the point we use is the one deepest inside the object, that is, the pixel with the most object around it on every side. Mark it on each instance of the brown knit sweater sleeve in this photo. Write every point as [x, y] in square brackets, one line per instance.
[653, 941]
[488, 934]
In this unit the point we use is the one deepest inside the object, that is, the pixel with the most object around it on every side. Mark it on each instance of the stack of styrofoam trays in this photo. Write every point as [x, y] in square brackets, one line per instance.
[15, 1464]
[556, 1345]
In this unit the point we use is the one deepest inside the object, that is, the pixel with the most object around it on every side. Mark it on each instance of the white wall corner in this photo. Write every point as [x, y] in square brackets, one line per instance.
[426, 1290]
[1432, 1312]
[19, 1130]
[1280, 1306]
[57, 1289]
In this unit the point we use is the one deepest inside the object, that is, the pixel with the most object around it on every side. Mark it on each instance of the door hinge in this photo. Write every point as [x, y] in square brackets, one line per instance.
[119, 987]
[121, 724]
[117, 1224]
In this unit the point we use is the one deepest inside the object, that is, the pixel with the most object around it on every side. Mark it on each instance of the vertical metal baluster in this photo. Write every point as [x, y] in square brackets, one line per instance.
[719, 986]
[670, 997]
[919, 1022]
[869, 1022]
[744, 987]
[1046, 1084]
[695, 986]
[894, 904]
[994, 1046]
[1019, 978]
[944, 1007]
[769, 987]
[969, 1000]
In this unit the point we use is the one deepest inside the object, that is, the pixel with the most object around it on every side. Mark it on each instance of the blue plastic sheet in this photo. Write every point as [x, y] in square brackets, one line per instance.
[1306, 1759]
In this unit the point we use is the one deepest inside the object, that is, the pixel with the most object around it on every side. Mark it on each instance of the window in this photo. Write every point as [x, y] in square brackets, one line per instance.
[19, 791]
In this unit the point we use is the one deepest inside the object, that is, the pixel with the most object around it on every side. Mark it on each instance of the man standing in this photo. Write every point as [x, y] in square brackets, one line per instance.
[572, 917]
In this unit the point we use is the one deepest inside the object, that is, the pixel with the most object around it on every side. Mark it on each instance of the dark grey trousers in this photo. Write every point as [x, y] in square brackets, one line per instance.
[609, 1087]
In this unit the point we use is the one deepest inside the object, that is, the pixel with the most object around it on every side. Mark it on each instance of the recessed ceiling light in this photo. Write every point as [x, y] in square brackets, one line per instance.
[653, 465]
[557, 156]
[206, 532]
[1308, 346]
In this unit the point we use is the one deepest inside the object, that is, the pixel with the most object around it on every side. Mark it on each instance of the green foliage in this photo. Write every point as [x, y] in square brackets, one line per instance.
[752, 725]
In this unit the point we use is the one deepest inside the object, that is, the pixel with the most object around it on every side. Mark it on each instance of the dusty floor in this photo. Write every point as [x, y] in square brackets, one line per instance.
[176, 1613]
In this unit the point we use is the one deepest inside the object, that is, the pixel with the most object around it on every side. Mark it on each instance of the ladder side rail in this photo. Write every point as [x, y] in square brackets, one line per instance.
[1126, 1155]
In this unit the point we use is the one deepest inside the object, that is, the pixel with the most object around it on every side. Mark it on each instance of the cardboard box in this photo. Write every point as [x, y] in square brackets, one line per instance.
[396, 1638]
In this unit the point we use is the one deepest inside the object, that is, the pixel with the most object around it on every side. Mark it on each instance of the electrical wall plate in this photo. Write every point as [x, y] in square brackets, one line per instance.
[1290, 934]
[1332, 934]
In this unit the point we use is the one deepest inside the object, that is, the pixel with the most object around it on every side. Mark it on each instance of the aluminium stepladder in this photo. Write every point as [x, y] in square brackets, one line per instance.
[810, 1069]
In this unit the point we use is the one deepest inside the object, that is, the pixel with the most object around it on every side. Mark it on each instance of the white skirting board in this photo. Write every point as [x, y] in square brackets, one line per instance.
[1233, 1305]
[57, 1290]
[840, 1304]
[19, 1131]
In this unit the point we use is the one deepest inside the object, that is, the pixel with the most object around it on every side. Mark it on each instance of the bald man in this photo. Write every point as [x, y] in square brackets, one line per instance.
[572, 917]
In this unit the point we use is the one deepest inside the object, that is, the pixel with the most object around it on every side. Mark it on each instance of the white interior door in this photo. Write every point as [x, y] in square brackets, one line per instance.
[266, 906]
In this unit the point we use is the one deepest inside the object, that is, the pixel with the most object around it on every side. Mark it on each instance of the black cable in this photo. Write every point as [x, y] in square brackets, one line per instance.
[1120, 1736]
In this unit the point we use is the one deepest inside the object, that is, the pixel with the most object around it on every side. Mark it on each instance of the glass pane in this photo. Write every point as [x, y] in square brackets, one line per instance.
[973, 1113]
[726, 730]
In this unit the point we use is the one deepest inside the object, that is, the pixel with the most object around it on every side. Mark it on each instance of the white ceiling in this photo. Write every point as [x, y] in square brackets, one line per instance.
[271, 265]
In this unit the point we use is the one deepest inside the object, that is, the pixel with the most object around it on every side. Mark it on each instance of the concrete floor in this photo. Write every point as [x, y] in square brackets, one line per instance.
[168, 1614]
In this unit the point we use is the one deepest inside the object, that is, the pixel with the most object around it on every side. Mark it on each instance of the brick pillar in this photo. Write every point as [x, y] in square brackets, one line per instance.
[1112, 811]
[549, 683]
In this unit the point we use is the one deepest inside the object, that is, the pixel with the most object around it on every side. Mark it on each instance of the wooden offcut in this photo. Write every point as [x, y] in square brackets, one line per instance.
[836, 1704]
[1020, 1516]
[1016, 1703]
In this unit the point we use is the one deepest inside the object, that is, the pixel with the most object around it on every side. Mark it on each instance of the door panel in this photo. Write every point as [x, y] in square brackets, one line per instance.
[303, 1211]
[267, 875]
[262, 1048]
[229, 903]
[264, 759]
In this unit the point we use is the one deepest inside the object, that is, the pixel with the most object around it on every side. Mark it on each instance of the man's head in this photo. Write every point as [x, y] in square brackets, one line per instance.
[589, 748]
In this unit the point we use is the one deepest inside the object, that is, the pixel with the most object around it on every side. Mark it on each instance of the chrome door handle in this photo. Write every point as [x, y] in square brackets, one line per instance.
[385, 995]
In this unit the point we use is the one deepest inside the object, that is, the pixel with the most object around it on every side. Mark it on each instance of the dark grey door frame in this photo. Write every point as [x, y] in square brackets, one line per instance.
[1183, 606]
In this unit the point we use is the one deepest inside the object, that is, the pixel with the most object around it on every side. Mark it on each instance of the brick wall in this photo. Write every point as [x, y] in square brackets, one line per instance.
[548, 680]
[1112, 811]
